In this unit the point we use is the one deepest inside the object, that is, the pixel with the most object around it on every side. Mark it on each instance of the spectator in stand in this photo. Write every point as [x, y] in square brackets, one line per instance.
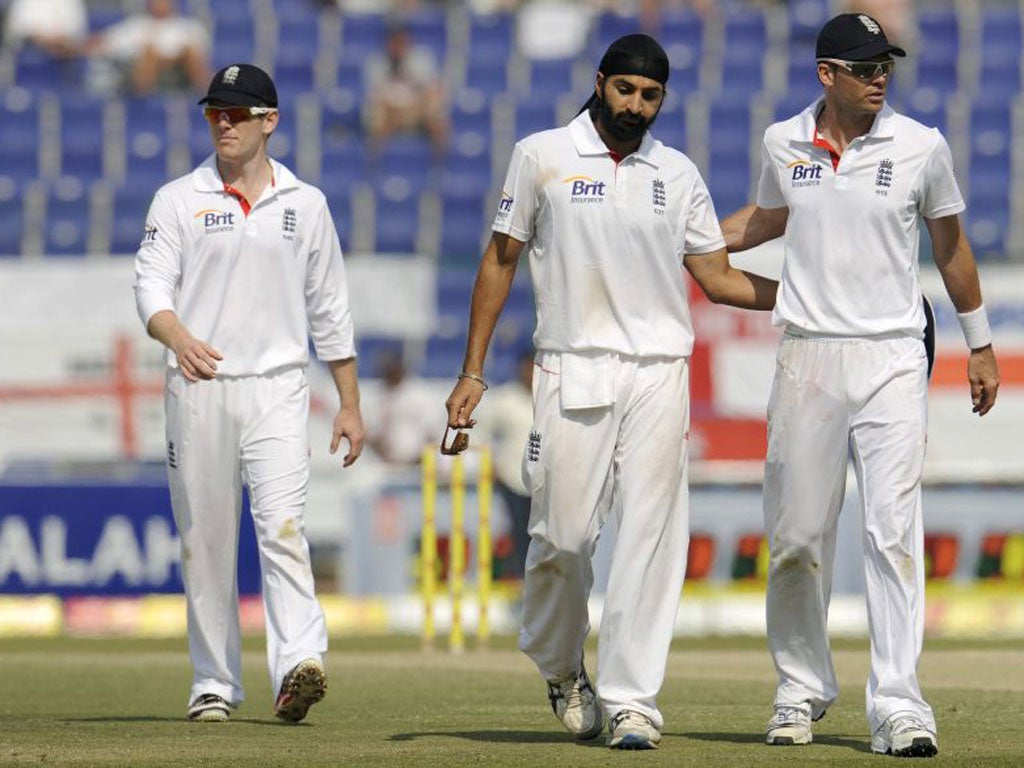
[405, 93]
[400, 429]
[59, 27]
[506, 427]
[157, 50]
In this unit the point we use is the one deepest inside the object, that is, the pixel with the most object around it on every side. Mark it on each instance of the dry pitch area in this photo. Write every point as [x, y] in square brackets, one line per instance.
[121, 702]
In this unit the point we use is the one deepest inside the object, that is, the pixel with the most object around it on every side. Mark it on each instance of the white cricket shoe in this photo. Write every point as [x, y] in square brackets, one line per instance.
[303, 687]
[209, 708]
[904, 734]
[575, 703]
[790, 725]
[632, 730]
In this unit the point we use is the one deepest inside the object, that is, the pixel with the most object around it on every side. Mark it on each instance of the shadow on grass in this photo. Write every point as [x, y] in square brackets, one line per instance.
[856, 744]
[183, 721]
[501, 737]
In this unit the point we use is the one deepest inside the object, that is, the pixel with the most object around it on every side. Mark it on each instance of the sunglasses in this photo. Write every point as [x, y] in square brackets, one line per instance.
[864, 70]
[234, 115]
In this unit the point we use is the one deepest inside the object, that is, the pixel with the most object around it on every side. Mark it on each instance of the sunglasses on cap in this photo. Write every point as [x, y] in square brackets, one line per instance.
[234, 115]
[863, 70]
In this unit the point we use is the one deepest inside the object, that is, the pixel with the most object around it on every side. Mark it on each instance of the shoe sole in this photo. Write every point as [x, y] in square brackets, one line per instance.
[302, 688]
[634, 742]
[209, 716]
[920, 747]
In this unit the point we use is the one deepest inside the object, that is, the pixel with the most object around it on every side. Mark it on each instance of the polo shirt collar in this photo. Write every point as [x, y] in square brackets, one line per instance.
[883, 127]
[207, 178]
[588, 141]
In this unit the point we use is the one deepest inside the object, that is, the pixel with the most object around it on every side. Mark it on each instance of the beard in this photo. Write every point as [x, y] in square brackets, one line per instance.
[623, 126]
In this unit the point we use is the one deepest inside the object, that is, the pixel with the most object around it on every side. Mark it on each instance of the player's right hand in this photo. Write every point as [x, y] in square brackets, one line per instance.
[461, 402]
[197, 359]
[983, 375]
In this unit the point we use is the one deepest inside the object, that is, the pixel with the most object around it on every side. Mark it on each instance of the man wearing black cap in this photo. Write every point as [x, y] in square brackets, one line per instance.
[608, 215]
[846, 183]
[239, 257]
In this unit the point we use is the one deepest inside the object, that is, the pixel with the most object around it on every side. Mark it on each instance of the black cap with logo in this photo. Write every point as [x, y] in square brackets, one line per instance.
[854, 37]
[241, 85]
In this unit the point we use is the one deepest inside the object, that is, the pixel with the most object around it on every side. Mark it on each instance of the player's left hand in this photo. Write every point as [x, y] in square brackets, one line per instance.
[461, 402]
[348, 423]
[983, 374]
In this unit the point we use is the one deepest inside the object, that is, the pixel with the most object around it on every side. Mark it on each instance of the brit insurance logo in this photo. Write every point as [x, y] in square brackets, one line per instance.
[149, 235]
[585, 190]
[216, 220]
[805, 173]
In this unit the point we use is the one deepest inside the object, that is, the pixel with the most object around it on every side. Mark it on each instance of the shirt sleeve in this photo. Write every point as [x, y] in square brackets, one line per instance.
[518, 205]
[769, 193]
[327, 307]
[940, 194]
[701, 232]
[158, 260]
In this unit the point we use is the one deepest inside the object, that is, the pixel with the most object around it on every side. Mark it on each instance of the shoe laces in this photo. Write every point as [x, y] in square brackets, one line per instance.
[572, 690]
[907, 722]
[786, 715]
[629, 715]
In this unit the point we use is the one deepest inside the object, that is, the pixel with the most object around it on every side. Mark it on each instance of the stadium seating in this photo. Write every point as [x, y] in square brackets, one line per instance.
[750, 63]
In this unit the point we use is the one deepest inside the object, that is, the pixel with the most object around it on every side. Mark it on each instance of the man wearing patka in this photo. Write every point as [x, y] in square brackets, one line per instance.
[609, 216]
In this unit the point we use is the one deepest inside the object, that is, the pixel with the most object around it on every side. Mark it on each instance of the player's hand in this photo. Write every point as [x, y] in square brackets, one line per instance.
[983, 374]
[348, 423]
[197, 359]
[461, 402]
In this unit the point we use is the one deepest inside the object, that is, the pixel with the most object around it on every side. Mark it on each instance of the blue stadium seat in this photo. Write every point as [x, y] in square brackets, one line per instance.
[745, 29]
[463, 228]
[490, 38]
[129, 208]
[466, 174]
[82, 136]
[397, 223]
[342, 165]
[19, 134]
[428, 27]
[988, 212]
[793, 103]
[284, 140]
[927, 106]
[147, 139]
[66, 232]
[937, 61]
[443, 355]
[471, 116]
[550, 78]
[728, 181]
[532, 116]
[362, 34]
[40, 72]
[802, 76]
[407, 159]
[339, 201]
[12, 219]
[490, 77]
[670, 127]
[806, 18]
[743, 74]
[232, 45]
[680, 25]
[608, 28]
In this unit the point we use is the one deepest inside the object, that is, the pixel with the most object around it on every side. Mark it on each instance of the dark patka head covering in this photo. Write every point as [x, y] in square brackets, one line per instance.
[633, 55]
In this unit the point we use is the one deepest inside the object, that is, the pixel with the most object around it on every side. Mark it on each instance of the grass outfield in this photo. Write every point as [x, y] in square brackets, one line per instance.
[121, 703]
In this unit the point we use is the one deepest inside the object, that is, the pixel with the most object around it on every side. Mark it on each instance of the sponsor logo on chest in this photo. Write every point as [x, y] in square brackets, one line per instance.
[583, 189]
[804, 173]
[883, 178]
[658, 198]
[215, 220]
[289, 221]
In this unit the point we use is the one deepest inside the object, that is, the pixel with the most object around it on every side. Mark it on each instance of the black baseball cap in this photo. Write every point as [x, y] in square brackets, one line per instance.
[241, 85]
[635, 54]
[854, 37]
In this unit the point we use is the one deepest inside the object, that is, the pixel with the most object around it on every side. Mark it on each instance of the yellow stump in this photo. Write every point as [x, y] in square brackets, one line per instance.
[457, 552]
[428, 544]
[484, 548]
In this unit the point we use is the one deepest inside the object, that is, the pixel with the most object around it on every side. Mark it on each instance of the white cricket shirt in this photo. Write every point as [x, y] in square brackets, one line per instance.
[606, 240]
[254, 287]
[852, 238]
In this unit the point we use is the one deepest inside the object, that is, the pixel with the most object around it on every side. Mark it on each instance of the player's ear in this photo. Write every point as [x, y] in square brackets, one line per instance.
[826, 73]
[599, 85]
[270, 122]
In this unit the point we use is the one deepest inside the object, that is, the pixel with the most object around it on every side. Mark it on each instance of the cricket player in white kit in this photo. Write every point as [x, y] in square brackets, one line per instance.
[847, 182]
[240, 260]
[609, 217]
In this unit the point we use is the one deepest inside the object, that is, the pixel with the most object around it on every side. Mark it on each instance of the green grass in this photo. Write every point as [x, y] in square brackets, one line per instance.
[121, 703]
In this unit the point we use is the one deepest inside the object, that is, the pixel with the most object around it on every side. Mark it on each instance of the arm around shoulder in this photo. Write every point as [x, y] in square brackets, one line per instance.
[752, 225]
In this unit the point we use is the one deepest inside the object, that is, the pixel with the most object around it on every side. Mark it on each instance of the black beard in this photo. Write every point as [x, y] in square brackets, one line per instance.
[621, 126]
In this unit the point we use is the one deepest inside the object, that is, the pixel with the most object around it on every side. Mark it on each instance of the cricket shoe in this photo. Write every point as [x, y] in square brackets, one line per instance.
[575, 703]
[632, 730]
[303, 687]
[904, 734]
[209, 708]
[790, 725]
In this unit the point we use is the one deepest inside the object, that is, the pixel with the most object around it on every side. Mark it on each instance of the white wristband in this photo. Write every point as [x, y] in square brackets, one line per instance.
[974, 324]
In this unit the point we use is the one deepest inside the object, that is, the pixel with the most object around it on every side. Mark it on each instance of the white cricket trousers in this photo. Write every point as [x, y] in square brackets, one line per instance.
[832, 398]
[221, 434]
[630, 456]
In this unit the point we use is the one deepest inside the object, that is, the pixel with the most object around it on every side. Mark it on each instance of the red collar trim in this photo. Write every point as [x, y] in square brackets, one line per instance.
[245, 204]
[818, 141]
[615, 156]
